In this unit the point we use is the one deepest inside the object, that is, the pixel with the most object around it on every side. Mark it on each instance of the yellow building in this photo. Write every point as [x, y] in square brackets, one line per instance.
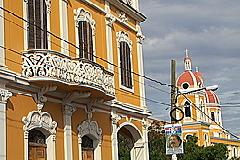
[202, 111]
[70, 80]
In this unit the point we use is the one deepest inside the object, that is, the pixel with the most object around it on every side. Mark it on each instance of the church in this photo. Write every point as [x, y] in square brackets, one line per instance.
[202, 110]
[71, 80]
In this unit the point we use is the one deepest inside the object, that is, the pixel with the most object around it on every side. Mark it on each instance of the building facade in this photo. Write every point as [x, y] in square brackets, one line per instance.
[71, 80]
[202, 111]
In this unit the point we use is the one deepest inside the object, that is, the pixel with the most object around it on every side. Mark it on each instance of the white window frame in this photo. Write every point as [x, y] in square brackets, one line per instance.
[91, 129]
[82, 15]
[124, 37]
[42, 121]
[2, 51]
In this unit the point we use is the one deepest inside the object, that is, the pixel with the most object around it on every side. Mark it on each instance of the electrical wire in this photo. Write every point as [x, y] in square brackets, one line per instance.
[146, 77]
[154, 87]
[70, 43]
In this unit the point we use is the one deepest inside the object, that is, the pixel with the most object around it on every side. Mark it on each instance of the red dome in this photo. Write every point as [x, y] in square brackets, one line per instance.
[192, 78]
[211, 97]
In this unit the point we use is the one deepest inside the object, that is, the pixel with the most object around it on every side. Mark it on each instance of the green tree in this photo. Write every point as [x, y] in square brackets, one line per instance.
[192, 151]
[157, 143]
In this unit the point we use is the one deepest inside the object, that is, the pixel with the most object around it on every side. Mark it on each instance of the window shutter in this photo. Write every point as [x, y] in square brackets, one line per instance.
[38, 23]
[85, 45]
[31, 34]
[122, 63]
[90, 43]
[129, 76]
[80, 36]
[45, 40]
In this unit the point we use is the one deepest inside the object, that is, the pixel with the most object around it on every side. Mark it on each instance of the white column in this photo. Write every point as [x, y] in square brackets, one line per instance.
[109, 24]
[2, 52]
[67, 115]
[63, 26]
[140, 38]
[4, 95]
[115, 118]
[145, 139]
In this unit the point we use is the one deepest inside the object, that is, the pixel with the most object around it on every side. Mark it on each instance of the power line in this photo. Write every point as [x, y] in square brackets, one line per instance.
[146, 77]
[208, 116]
[88, 53]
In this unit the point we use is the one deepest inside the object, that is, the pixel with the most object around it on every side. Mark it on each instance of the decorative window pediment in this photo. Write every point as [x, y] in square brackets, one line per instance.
[36, 119]
[90, 128]
[124, 37]
[82, 15]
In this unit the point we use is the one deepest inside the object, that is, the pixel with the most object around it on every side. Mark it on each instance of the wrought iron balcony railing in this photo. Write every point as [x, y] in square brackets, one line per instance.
[50, 65]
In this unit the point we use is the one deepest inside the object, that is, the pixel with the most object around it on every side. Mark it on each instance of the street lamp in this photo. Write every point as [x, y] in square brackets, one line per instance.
[175, 108]
[183, 92]
[191, 90]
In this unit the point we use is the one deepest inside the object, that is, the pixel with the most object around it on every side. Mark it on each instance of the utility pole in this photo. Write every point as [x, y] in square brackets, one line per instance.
[173, 88]
[173, 95]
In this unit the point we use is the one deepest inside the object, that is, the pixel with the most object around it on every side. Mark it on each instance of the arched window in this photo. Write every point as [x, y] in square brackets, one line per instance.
[85, 40]
[37, 146]
[37, 26]
[87, 148]
[213, 116]
[85, 34]
[125, 64]
[124, 48]
[187, 108]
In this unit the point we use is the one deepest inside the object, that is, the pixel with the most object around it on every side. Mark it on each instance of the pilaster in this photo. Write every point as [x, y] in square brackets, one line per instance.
[67, 115]
[115, 118]
[4, 95]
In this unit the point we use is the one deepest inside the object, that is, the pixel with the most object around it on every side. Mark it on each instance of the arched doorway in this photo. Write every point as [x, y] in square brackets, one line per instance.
[37, 146]
[130, 145]
[87, 148]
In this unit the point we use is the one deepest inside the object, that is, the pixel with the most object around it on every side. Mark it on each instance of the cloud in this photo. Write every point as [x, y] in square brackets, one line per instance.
[210, 29]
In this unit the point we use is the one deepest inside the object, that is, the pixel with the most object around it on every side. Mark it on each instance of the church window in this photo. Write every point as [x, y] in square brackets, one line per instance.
[187, 107]
[213, 116]
[185, 85]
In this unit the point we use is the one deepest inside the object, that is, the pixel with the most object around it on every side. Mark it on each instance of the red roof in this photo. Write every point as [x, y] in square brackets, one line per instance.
[211, 97]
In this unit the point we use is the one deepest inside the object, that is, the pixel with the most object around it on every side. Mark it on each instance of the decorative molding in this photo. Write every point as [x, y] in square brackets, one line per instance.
[140, 36]
[40, 99]
[69, 110]
[81, 15]
[115, 117]
[4, 95]
[70, 97]
[145, 124]
[49, 65]
[95, 6]
[38, 119]
[110, 19]
[122, 16]
[90, 128]
[128, 2]
[123, 36]
[48, 5]
[42, 121]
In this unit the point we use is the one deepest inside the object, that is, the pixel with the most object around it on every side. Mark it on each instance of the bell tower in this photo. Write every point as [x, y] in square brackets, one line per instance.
[187, 61]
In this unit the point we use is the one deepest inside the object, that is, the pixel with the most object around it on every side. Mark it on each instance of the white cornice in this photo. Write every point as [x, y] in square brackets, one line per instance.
[129, 10]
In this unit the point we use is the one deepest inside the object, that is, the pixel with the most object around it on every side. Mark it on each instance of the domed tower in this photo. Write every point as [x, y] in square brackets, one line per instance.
[214, 111]
[187, 82]
[193, 103]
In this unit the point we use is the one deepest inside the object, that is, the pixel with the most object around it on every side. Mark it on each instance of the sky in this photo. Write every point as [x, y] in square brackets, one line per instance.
[210, 29]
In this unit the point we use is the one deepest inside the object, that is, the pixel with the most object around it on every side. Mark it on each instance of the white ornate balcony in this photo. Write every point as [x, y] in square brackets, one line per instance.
[46, 65]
